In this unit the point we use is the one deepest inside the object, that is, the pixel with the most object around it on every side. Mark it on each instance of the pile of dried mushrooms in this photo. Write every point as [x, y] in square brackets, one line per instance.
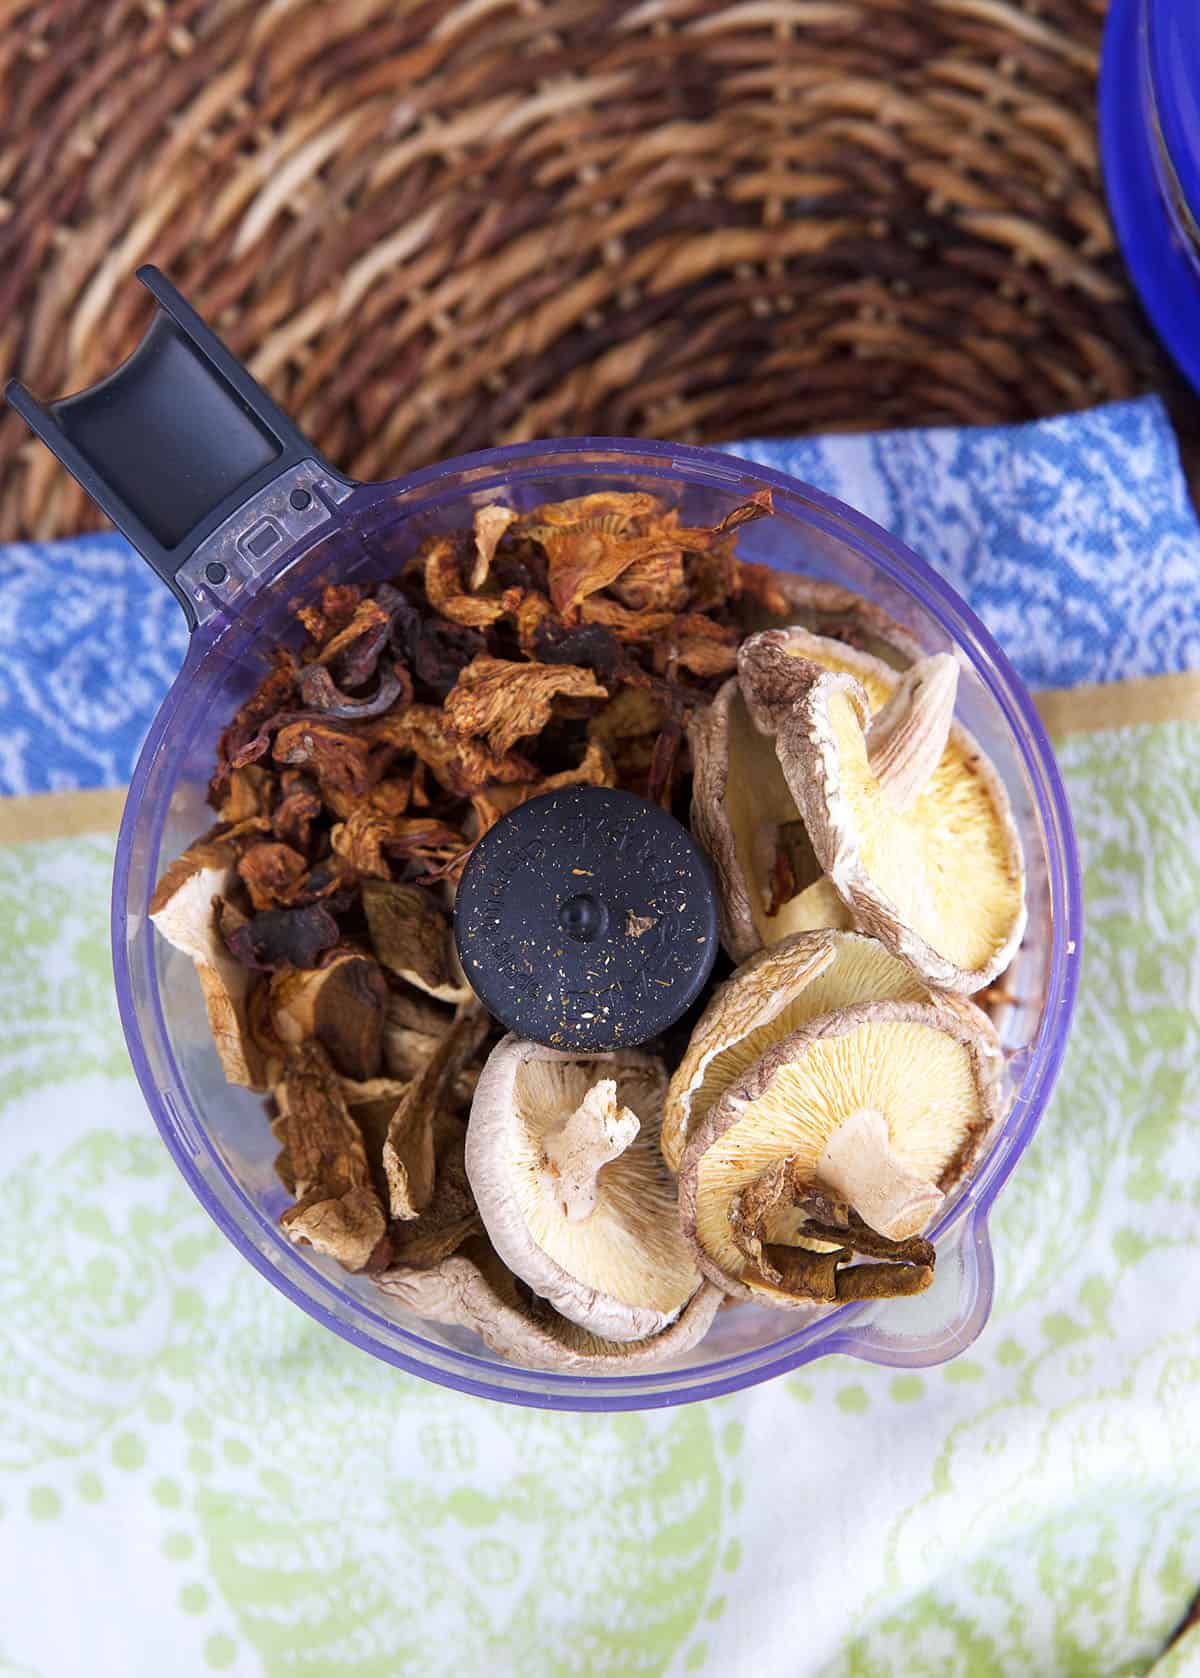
[794, 1138]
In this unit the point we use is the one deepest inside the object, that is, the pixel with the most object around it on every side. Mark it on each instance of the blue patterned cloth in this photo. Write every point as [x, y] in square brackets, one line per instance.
[1073, 538]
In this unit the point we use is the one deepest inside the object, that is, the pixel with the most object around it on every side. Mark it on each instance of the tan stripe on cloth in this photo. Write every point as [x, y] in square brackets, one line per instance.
[1095, 706]
[61, 815]
[1081, 710]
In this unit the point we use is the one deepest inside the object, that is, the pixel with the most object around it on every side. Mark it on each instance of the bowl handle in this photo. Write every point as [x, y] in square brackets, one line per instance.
[190, 458]
[934, 1326]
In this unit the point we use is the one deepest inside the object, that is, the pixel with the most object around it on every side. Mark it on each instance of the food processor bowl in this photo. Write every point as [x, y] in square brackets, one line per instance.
[262, 561]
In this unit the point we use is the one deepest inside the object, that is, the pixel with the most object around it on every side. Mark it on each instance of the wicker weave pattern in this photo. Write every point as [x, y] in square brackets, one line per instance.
[431, 227]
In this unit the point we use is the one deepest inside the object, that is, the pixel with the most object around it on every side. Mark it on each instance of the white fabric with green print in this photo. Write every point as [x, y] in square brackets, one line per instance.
[198, 1478]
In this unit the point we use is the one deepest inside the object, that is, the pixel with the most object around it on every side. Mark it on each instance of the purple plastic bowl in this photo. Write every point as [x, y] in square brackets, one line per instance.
[219, 1136]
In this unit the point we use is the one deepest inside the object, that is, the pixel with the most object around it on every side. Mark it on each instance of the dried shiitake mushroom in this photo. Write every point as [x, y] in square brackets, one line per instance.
[867, 1116]
[831, 612]
[907, 818]
[563, 1158]
[769, 881]
[768, 997]
[184, 909]
[474, 1289]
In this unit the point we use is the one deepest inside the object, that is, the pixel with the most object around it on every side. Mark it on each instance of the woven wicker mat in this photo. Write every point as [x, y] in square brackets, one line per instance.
[434, 227]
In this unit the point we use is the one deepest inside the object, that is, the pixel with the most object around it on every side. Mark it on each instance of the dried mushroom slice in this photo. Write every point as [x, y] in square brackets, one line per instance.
[879, 1108]
[920, 843]
[184, 909]
[450, 1218]
[411, 936]
[474, 1289]
[340, 1004]
[409, 1150]
[324, 1161]
[563, 1158]
[769, 881]
[769, 997]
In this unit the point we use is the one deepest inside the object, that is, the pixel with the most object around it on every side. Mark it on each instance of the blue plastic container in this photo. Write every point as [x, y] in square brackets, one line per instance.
[1150, 147]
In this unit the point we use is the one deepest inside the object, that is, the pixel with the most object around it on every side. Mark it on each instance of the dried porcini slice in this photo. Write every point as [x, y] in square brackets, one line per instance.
[337, 1209]
[563, 1159]
[340, 1004]
[880, 1108]
[450, 1218]
[338, 756]
[773, 599]
[183, 908]
[460, 764]
[769, 997]
[411, 936]
[907, 818]
[408, 1152]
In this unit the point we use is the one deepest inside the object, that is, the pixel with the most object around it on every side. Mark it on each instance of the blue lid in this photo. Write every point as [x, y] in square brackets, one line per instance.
[1173, 39]
[1165, 269]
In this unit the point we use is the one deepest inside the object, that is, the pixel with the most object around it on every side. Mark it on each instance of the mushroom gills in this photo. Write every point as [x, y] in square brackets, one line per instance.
[768, 998]
[563, 1158]
[878, 1108]
[909, 820]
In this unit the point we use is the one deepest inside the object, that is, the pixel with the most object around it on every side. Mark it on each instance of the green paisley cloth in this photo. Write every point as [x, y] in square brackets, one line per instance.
[197, 1478]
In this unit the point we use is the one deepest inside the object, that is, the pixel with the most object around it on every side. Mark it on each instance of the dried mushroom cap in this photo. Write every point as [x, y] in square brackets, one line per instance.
[337, 1209]
[184, 909]
[935, 873]
[879, 1108]
[769, 997]
[411, 936]
[564, 1161]
[475, 1290]
[340, 1004]
[769, 881]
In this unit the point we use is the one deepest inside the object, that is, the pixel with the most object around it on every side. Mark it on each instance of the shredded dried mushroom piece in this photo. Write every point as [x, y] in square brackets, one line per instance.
[593, 641]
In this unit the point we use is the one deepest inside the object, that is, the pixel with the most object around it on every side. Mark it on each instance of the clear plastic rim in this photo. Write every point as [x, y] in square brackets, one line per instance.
[842, 1330]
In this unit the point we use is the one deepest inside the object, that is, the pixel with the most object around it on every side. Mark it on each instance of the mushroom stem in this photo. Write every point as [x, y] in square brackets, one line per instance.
[860, 1166]
[906, 739]
[574, 1150]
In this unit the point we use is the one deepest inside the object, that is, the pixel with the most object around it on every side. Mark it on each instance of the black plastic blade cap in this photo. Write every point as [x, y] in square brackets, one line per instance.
[587, 919]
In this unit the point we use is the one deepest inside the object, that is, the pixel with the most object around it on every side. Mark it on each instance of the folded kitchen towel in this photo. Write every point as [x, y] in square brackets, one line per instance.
[1073, 539]
[197, 1478]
